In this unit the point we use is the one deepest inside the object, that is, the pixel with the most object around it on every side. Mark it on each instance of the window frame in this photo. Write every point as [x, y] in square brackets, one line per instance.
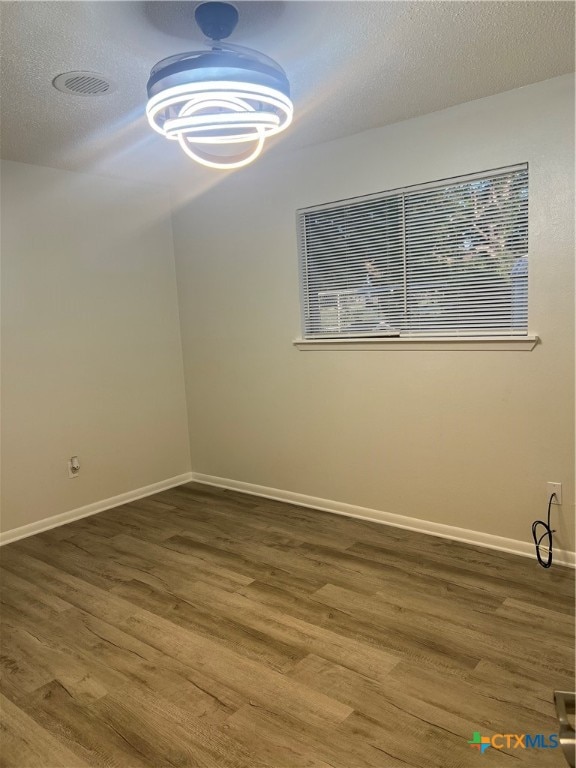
[524, 340]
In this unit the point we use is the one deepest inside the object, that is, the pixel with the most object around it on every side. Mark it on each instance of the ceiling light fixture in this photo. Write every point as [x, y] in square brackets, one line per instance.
[213, 102]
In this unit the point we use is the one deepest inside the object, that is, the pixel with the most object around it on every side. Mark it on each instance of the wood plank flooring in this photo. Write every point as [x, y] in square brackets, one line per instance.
[202, 627]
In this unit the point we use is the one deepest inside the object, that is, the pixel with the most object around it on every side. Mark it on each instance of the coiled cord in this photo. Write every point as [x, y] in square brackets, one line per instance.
[547, 534]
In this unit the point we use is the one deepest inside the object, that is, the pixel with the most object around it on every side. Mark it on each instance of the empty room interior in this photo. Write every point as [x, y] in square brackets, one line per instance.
[288, 357]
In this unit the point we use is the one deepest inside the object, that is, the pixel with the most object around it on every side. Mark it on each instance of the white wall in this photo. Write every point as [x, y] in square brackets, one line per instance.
[91, 353]
[464, 438]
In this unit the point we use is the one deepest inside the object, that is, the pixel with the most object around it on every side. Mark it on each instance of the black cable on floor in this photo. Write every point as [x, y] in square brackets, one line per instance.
[541, 530]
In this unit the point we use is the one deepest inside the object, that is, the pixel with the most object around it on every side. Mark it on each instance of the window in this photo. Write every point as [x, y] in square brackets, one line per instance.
[448, 259]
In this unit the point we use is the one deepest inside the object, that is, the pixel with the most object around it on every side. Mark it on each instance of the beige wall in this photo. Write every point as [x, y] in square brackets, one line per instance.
[92, 361]
[468, 439]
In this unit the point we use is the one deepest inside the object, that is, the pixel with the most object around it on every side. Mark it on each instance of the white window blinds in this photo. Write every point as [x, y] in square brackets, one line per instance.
[442, 259]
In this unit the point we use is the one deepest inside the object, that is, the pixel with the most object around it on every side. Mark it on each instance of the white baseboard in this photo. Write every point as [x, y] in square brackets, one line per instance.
[92, 509]
[488, 540]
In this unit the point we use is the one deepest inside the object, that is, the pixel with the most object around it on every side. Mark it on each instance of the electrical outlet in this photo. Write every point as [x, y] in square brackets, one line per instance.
[73, 467]
[557, 489]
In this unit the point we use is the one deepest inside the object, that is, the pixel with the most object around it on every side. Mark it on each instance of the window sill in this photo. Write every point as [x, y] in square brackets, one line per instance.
[438, 343]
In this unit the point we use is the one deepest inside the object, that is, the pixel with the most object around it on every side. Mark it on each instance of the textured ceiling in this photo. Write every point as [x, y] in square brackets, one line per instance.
[352, 66]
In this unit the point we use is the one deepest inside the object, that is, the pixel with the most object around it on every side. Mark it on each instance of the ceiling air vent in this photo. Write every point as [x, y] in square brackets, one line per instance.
[83, 83]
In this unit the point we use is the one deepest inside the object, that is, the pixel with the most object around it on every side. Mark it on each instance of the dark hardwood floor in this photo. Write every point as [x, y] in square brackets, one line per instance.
[202, 627]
